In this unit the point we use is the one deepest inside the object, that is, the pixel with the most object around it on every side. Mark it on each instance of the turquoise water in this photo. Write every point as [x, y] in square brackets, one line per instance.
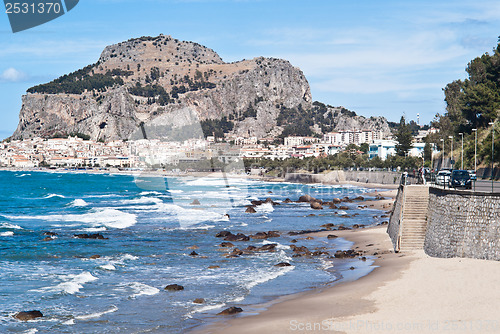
[151, 227]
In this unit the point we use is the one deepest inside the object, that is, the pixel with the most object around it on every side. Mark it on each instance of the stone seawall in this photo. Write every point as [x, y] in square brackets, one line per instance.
[463, 224]
[337, 176]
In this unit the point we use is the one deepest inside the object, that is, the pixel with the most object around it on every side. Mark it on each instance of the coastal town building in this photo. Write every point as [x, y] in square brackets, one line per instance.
[74, 152]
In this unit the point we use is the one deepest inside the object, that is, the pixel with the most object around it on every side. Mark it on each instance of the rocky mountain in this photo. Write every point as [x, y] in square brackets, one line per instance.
[159, 85]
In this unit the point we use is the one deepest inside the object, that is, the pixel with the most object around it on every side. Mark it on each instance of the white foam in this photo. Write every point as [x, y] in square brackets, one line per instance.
[99, 217]
[95, 229]
[79, 203]
[6, 234]
[265, 208]
[141, 289]
[31, 331]
[72, 286]
[53, 195]
[23, 175]
[142, 200]
[188, 217]
[175, 191]
[207, 308]
[341, 212]
[68, 322]
[108, 266]
[262, 276]
[145, 193]
[97, 314]
[7, 225]
[278, 245]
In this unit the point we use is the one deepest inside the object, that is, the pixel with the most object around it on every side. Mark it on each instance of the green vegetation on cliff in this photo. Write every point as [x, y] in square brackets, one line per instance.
[82, 80]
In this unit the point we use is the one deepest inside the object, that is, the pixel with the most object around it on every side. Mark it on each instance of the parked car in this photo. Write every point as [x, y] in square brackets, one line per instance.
[460, 179]
[472, 174]
[443, 177]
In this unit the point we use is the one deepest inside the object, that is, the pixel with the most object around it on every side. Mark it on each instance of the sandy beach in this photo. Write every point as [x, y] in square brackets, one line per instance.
[404, 293]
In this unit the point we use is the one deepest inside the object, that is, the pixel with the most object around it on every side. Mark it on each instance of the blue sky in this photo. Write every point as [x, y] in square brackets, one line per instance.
[380, 58]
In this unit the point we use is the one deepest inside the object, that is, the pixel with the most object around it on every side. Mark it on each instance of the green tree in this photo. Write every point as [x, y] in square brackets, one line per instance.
[403, 137]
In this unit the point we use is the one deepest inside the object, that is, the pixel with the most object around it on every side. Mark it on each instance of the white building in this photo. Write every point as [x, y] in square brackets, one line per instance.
[382, 149]
[385, 148]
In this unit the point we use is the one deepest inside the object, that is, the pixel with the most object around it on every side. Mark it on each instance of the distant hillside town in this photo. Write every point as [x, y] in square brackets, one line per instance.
[75, 152]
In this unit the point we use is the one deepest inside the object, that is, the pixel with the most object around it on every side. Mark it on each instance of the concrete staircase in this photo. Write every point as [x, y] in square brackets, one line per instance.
[414, 217]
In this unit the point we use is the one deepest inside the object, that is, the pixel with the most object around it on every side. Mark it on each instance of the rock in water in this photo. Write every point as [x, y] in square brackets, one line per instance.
[306, 199]
[28, 315]
[316, 206]
[283, 264]
[195, 202]
[230, 311]
[250, 210]
[174, 287]
[199, 301]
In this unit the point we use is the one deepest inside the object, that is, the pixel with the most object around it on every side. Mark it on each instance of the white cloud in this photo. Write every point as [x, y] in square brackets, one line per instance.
[13, 75]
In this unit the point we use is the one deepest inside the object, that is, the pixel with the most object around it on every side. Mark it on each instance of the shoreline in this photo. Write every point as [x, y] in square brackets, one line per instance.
[342, 298]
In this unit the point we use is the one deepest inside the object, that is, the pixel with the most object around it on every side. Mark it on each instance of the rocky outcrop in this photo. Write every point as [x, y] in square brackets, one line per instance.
[195, 80]
[230, 311]
[161, 84]
[28, 315]
[174, 287]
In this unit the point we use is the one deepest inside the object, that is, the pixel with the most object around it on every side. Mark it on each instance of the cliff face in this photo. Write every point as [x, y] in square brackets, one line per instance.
[161, 81]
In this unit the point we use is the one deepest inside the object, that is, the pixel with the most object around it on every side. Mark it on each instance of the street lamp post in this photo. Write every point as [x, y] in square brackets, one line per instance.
[475, 150]
[442, 153]
[492, 151]
[462, 155]
[451, 153]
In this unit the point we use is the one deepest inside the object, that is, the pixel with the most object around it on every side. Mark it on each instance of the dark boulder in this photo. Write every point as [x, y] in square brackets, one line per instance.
[336, 201]
[256, 202]
[236, 237]
[230, 311]
[341, 254]
[283, 264]
[195, 202]
[93, 257]
[273, 234]
[259, 235]
[287, 201]
[50, 234]
[222, 234]
[306, 199]
[359, 198]
[235, 253]
[226, 244]
[28, 315]
[213, 267]
[250, 210]
[316, 206]
[199, 301]
[193, 253]
[267, 248]
[89, 236]
[343, 207]
[331, 236]
[174, 287]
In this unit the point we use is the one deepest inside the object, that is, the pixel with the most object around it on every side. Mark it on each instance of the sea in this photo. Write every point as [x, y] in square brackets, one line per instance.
[150, 228]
